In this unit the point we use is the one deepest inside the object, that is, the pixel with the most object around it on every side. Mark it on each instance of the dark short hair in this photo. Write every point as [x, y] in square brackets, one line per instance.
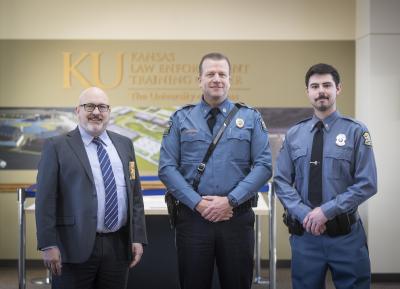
[213, 56]
[322, 68]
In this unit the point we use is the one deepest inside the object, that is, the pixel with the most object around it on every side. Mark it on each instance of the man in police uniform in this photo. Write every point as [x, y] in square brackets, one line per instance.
[215, 223]
[325, 170]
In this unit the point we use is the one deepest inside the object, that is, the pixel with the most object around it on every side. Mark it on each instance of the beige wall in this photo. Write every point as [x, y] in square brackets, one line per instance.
[32, 71]
[186, 20]
[178, 19]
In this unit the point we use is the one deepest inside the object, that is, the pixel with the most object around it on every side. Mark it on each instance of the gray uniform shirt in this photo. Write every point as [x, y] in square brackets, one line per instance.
[348, 171]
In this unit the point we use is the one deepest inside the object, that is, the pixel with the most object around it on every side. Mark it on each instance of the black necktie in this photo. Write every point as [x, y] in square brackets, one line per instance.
[315, 178]
[213, 118]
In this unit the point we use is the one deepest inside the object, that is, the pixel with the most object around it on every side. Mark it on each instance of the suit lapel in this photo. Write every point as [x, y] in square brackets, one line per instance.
[74, 140]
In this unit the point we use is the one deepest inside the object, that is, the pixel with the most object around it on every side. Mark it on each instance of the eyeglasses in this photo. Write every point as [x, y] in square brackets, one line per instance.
[90, 107]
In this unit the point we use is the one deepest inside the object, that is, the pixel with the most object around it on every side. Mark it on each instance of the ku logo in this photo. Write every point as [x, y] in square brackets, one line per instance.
[89, 63]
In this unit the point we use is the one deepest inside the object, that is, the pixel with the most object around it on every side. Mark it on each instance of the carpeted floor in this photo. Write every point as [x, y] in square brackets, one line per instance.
[9, 280]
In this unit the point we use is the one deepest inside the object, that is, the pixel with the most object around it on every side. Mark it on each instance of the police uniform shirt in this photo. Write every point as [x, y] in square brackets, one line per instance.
[348, 169]
[239, 166]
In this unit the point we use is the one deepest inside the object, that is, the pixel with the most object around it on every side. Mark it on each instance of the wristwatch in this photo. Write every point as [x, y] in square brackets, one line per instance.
[232, 201]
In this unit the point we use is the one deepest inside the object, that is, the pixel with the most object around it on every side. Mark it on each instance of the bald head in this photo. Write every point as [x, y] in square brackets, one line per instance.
[91, 94]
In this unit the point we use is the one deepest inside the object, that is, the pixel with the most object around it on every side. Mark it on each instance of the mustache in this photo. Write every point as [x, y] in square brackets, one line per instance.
[322, 97]
[95, 117]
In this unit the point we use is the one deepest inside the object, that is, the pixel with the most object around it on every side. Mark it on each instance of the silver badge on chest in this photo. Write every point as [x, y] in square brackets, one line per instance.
[239, 122]
[341, 139]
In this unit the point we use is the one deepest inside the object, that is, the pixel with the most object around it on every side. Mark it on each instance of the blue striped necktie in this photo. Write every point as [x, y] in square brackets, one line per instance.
[111, 201]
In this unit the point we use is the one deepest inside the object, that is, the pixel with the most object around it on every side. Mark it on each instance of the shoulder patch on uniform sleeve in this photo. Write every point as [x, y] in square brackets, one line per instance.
[263, 125]
[367, 139]
[283, 139]
[260, 118]
[168, 128]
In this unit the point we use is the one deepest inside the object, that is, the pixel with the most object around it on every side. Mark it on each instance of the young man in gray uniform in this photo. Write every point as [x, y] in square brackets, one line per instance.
[215, 222]
[325, 170]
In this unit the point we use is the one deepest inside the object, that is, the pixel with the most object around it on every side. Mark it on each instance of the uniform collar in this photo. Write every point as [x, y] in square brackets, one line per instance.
[224, 107]
[87, 138]
[328, 121]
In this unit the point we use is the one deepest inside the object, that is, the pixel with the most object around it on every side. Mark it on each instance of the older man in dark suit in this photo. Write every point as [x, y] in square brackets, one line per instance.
[89, 206]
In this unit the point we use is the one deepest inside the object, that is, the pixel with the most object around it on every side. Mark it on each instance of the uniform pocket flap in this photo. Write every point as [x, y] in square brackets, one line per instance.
[241, 135]
[340, 154]
[189, 137]
[299, 152]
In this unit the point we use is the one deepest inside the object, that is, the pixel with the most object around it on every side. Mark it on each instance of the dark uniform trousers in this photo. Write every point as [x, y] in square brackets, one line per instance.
[346, 256]
[106, 268]
[228, 244]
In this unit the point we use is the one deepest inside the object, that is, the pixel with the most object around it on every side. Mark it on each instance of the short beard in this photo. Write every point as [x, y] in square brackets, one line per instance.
[321, 108]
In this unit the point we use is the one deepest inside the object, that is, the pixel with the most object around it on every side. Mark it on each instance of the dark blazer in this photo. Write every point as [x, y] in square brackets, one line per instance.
[66, 199]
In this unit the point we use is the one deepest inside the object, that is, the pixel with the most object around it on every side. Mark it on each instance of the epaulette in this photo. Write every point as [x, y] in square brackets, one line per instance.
[242, 104]
[259, 115]
[303, 120]
[351, 119]
[186, 106]
[296, 126]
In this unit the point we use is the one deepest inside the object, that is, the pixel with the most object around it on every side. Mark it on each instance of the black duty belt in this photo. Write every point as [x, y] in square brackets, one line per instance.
[244, 207]
[341, 224]
[353, 217]
[338, 226]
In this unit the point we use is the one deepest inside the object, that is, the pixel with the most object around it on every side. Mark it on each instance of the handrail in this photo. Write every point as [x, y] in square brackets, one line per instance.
[272, 236]
[12, 187]
[22, 239]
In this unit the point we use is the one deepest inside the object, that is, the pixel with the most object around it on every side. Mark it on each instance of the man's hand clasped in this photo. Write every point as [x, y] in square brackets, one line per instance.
[315, 221]
[215, 208]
